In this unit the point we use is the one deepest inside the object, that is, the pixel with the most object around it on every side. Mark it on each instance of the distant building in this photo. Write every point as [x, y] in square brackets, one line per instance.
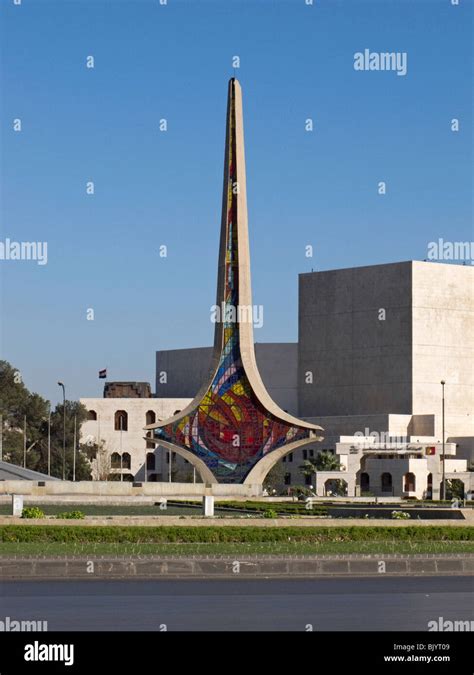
[127, 390]
[408, 467]
[118, 424]
[378, 340]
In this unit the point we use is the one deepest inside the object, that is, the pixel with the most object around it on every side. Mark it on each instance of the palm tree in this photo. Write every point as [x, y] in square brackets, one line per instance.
[324, 461]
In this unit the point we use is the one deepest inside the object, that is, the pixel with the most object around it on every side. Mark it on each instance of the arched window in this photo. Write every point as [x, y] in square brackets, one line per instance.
[409, 482]
[150, 461]
[429, 486]
[386, 480]
[121, 421]
[115, 461]
[91, 415]
[150, 444]
[335, 487]
[150, 417]
[126, 461]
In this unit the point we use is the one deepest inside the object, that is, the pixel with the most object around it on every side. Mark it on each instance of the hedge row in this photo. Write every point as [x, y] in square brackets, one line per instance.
[170, 534]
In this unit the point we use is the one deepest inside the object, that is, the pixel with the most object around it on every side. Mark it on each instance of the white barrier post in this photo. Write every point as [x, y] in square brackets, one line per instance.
[17, 505]
[208, 506]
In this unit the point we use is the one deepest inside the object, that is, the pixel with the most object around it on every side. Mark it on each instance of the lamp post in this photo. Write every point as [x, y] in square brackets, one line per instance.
[74, 456]
[24, 442]
[49, 441]
[443, 479]
[64, 429]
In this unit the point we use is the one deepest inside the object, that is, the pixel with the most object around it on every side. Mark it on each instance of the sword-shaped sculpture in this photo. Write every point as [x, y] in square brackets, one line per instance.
[232, 431]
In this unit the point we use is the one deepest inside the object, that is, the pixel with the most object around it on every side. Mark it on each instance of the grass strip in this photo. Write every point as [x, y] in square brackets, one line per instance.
[230, 533]
[35, 549]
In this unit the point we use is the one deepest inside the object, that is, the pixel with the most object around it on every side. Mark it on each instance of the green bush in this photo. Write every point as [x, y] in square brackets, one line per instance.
[239, 534]
[400, 515]
[71, 515]
[32, 512]
[270, 513]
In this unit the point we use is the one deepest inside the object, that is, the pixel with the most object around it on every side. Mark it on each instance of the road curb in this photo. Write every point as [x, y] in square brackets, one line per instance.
[220, 567]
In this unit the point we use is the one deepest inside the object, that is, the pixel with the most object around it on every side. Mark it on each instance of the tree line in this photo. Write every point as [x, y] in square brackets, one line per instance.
[17, 405]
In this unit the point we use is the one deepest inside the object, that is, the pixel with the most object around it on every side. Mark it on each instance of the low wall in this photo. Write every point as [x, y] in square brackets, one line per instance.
[118, 489]
[151, 567]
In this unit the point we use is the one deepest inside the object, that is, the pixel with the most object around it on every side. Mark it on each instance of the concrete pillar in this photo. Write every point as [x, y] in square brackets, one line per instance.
[208, 506]
[17, 505]
[351, 485]
[319, 485]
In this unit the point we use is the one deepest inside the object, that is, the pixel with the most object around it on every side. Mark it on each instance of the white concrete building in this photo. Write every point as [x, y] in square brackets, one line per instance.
[405, 467]
[118, 423]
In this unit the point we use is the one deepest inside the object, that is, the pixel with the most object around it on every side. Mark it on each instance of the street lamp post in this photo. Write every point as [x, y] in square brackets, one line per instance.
[443, 479]
[75, 443]
[24, 442]
[49, 441]
[64, 429]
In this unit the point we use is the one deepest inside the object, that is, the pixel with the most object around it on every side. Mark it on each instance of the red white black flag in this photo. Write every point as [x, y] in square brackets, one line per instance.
[102, 374]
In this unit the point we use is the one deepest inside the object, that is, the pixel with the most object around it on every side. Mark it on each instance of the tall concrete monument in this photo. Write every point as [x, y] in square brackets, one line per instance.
[232, 431]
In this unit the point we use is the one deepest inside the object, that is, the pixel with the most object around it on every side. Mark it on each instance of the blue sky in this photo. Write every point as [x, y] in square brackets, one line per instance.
[157, 188]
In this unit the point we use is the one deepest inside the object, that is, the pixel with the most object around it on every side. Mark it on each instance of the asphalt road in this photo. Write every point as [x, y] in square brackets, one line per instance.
[381, 604]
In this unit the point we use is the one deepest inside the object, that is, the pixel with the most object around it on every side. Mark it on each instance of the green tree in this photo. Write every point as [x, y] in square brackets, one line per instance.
[324, 461]
[274, 479]
[16, 403]
[454, 488]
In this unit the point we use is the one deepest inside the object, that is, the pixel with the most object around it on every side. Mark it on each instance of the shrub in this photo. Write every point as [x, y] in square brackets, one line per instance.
[32, 512]
[270, 513]
[243, 534]
[71, 515]
[400, 515]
